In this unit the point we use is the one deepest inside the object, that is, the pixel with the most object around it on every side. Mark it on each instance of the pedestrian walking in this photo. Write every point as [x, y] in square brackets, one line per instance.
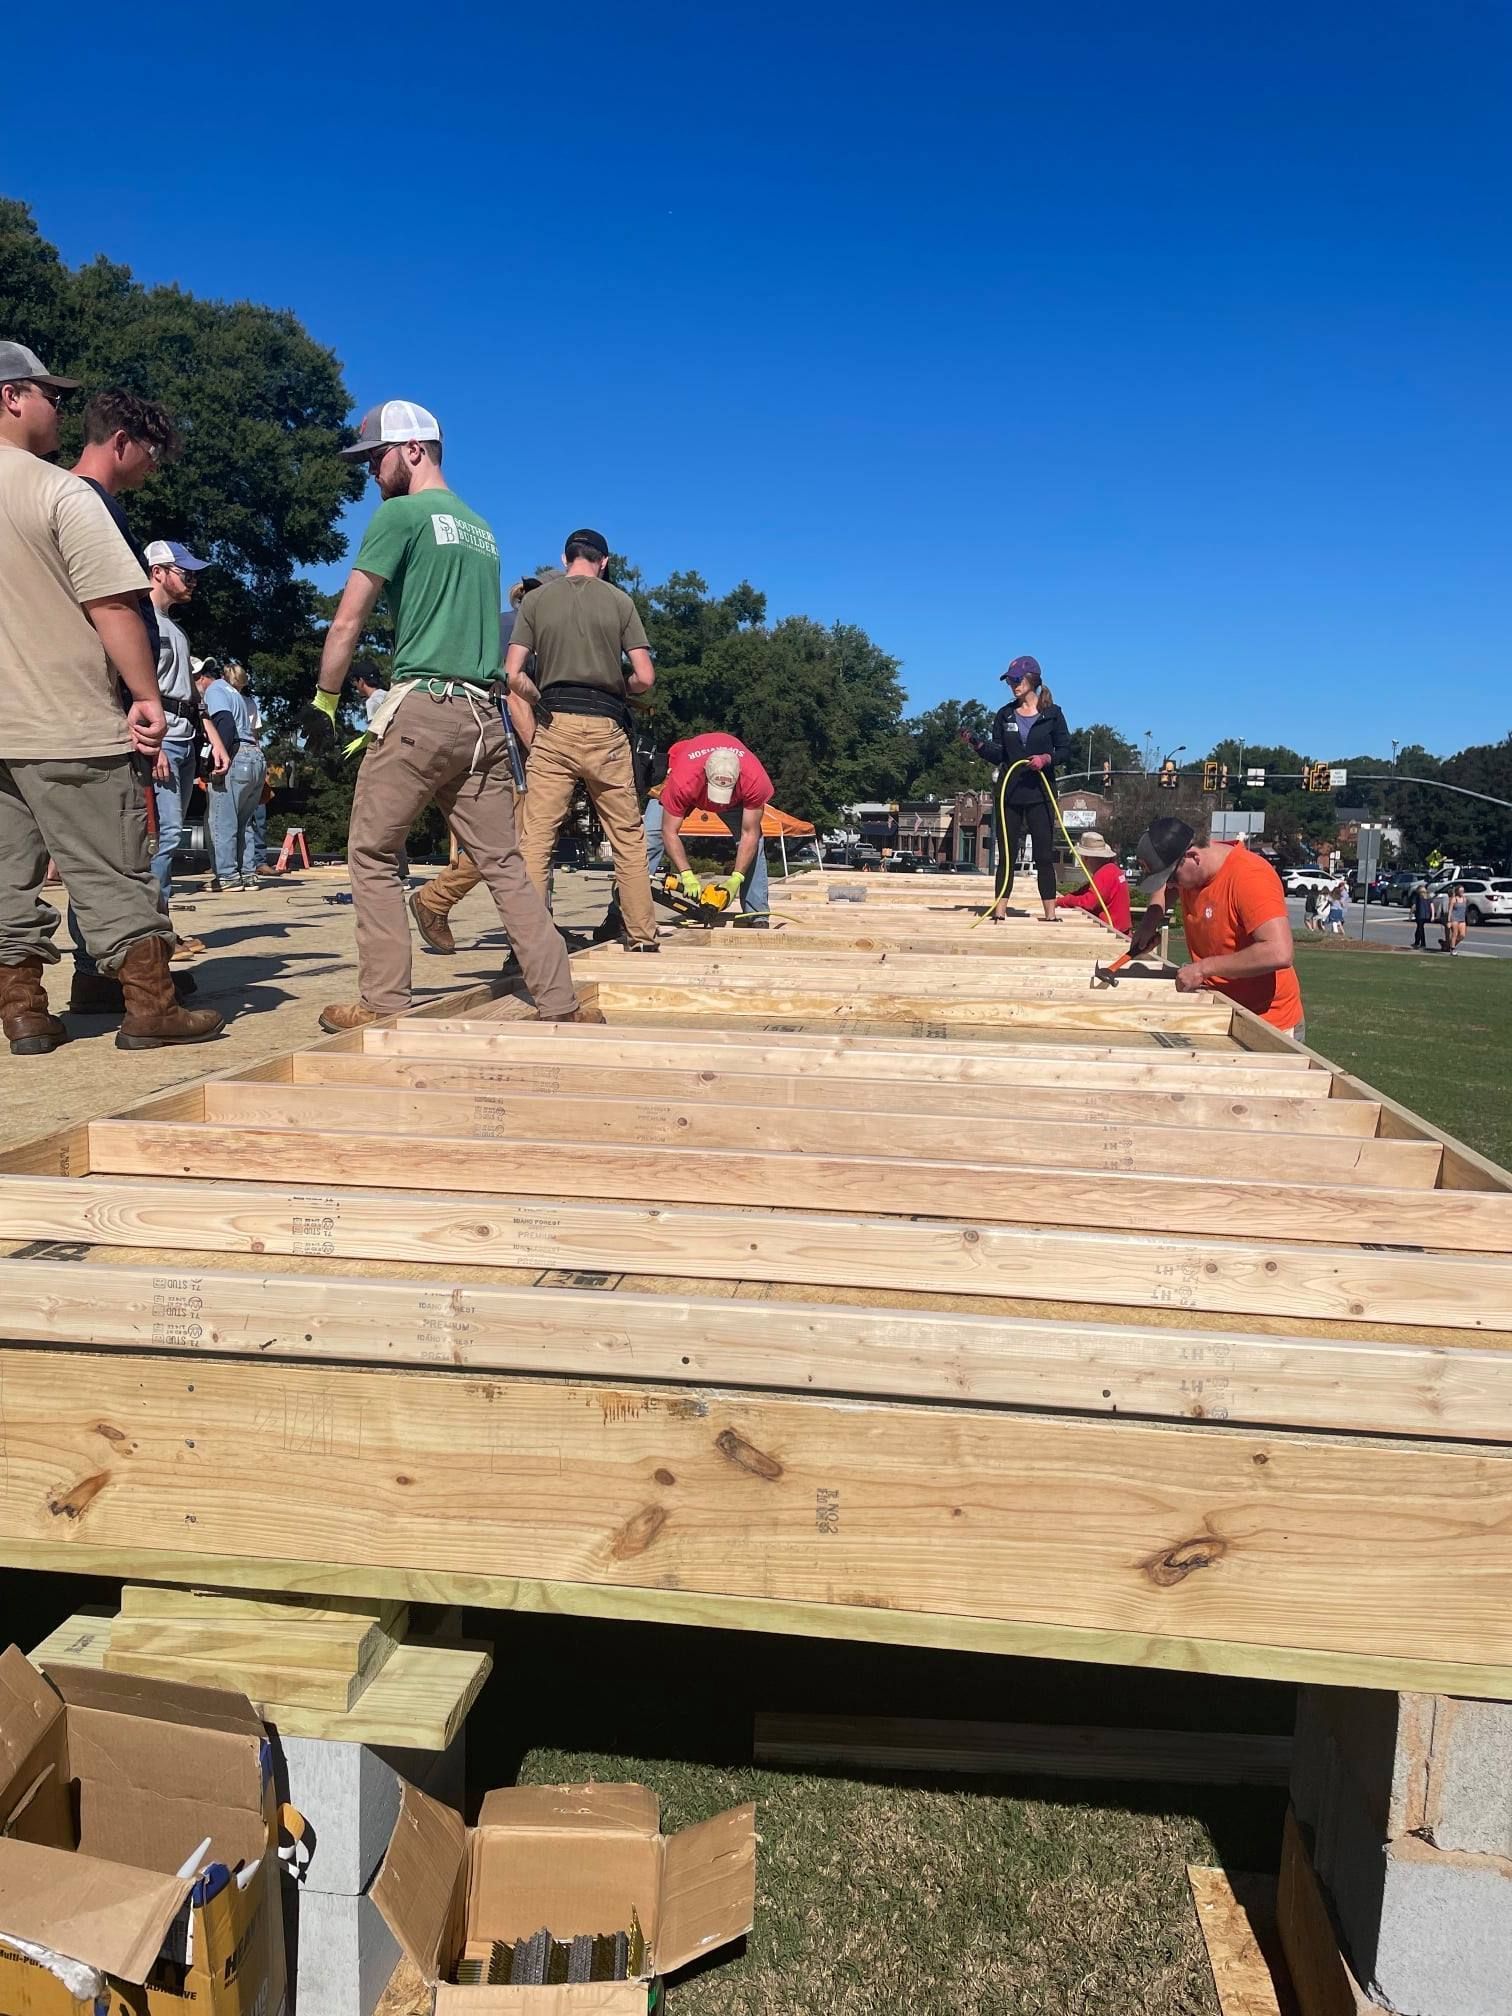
[581, 630]
[440, 734]
[1337, 903]
[1458, 916]
[1422, 917]
[71, 628]
[1310, 910]
[1028, 736]
[235, 791]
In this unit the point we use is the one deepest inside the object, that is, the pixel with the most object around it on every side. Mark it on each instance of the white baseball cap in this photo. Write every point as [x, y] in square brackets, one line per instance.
[721, 775]
[390, 421]
[169, 553]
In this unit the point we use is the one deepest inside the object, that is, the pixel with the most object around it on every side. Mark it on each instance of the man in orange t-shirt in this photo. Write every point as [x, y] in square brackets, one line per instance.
[1233, 913]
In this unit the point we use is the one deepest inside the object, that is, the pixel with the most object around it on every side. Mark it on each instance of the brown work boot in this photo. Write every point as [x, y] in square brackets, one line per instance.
[584, 1012]
[99, 994]
[342, 1016]
[187, 948]
[32, 1031]
[432, 925]
[154, 1018]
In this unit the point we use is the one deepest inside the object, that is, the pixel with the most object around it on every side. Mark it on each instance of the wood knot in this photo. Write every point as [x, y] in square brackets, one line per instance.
[747, 1455]
[73, 1504]
[111, 1434]
[637, 1534]
[1173, 1564]
[665, 1477]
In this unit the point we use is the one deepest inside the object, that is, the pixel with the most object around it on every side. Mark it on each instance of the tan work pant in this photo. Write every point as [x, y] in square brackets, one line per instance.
[428, 752]
[580, 748]
[89, 813]
[445, 891]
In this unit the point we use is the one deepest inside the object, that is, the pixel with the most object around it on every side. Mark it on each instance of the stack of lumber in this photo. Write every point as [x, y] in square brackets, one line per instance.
[337, 1668]
[872, 1276]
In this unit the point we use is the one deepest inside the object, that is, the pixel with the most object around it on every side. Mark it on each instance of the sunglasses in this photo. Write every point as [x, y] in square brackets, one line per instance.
[53, 398]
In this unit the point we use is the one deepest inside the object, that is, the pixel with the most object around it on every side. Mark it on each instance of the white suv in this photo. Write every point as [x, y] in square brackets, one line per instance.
[1488, 902]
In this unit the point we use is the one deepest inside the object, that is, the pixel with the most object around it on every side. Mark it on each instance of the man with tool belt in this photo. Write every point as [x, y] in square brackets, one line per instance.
[440, 734]
[581, 629]
[1233, 913]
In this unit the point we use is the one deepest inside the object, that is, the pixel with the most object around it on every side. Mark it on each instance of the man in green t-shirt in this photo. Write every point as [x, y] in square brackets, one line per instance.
[439, 734]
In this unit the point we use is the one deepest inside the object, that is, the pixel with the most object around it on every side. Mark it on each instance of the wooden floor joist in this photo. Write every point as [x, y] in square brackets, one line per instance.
[888, 1287]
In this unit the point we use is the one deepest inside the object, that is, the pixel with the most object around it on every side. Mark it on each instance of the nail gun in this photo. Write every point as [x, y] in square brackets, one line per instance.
[708, 907]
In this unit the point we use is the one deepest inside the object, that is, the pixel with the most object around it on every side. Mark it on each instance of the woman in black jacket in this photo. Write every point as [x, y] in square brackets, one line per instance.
[1030, 730]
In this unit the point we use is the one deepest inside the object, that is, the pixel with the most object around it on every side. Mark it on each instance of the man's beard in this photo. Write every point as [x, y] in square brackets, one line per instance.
[398, 484]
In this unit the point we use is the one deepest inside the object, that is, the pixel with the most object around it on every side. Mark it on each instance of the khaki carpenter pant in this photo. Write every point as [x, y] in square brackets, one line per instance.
[581, 748]
[430, 750]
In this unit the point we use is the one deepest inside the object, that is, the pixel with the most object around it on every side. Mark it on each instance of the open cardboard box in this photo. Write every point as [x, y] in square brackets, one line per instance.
[573, 1858]
[108, 1785]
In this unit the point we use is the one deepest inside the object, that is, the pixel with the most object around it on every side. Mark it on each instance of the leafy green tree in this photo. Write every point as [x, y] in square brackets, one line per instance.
[260, 487]
[1098, 744]
[940, 763]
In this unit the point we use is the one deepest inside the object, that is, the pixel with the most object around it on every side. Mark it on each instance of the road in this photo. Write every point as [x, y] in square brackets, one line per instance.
[1390, 926]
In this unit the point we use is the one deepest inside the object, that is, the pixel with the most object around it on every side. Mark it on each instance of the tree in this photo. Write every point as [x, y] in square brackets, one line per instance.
[1099, 744]
[261, 485]
[939, 762]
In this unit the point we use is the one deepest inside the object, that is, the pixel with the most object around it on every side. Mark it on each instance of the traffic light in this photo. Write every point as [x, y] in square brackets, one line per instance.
[1107, 774]
[1210, 776]
[1168, 777]
[1223, 776]
[1315, 777]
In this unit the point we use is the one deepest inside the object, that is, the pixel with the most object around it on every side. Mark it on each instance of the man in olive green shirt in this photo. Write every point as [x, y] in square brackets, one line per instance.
[439, 733]
[581, 629]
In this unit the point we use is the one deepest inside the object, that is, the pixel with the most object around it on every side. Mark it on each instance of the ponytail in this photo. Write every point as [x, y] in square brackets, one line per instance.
[1044, 697]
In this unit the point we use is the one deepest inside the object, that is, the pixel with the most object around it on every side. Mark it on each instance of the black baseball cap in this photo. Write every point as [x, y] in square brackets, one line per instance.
[1161, 846]
[594, 540]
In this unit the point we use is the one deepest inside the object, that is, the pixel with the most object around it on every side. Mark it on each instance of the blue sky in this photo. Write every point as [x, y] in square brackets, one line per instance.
[1168, 344]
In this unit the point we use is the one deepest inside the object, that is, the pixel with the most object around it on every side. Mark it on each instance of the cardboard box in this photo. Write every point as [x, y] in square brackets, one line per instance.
[573, 1858]
[108, 1785]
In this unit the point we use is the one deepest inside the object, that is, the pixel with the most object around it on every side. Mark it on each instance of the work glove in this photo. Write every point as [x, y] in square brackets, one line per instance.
[357, 742]
[735, 883]
[317, 720]
[327, 702]
[691, 886]
[1039, 762]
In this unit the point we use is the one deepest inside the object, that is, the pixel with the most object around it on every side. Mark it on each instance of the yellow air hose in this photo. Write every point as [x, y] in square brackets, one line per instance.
[1003, 880]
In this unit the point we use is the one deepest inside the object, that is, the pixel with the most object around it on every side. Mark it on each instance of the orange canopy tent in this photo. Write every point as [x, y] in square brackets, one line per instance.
[775, 825]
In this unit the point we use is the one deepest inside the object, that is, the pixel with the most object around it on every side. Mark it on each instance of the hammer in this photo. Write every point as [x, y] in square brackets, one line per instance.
[1107, 976]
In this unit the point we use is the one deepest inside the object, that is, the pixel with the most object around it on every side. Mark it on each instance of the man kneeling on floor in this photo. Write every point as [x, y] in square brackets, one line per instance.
[439, 734]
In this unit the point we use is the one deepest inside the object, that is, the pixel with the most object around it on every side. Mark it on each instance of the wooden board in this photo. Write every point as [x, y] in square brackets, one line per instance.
[1202, 1273]
[1019, 1749]
[1108, 1197]
[347, 1646]
[148, 1599]
[1338, 1544]
[417, 1700]
[692, 1124]
[1320, 1975]
[1052, 1009]
[1111, 1369]
[774, 1089]
[1236, 1915]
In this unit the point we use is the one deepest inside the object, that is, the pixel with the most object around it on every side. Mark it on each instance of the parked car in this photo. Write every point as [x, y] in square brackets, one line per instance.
[1487, 902]
[1398, 888]
[902, 864]
[1297, 881]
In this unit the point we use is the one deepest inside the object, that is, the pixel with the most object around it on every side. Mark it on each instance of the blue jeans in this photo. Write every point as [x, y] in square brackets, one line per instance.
[172, 800]
[260, 834]
[753, 896]
[233, 800]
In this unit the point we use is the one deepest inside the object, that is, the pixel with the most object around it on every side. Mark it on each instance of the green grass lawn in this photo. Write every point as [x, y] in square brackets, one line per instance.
[1433, 1032]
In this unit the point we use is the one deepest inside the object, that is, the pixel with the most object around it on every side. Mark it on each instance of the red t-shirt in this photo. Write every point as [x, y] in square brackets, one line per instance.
[684, 788]
[1108, 881]
[1223, 917]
